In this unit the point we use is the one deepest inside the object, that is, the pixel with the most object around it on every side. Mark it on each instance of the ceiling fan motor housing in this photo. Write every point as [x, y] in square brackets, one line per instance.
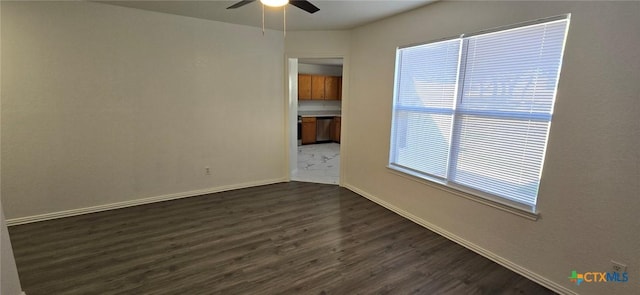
[302, 4]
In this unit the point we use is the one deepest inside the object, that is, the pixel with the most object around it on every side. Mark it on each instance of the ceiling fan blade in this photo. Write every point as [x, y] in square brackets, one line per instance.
[240, 4]
[305, 5]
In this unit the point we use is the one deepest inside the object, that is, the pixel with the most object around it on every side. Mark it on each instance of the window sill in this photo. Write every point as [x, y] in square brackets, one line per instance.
[491, 202]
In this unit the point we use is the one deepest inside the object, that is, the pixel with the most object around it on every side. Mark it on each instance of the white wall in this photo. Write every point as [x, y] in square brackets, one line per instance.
[320, 105]
[314, 69]
[318, 44]
[9, 281]
[589, 192]
[105, 104]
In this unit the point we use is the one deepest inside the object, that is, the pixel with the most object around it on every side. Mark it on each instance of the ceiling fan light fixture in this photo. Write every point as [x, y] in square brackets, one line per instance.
[275, 3]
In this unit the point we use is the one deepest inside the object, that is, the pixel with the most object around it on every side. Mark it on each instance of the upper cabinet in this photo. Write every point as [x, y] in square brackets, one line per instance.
[340, 88]
[331, 87]
[304, 87]
[317, 87]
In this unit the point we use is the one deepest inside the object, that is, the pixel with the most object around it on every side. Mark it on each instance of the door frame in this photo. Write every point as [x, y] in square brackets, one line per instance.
[291, 111]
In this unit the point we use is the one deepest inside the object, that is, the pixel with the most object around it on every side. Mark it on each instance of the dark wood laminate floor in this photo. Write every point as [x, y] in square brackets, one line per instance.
[289, 238]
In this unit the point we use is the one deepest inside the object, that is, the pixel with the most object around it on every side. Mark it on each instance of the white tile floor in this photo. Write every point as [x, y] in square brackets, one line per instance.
[318, 163]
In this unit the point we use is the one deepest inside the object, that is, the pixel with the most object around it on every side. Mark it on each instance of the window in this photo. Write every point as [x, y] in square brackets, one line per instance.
[473, 113]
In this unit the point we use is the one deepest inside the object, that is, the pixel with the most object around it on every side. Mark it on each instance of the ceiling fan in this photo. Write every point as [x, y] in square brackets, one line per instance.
[304, 5]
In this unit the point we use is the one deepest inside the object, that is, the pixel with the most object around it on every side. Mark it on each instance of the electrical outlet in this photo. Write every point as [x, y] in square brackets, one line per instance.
[618, 266]
[207, 170]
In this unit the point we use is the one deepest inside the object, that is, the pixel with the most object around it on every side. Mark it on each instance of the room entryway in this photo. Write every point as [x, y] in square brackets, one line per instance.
[315, 104]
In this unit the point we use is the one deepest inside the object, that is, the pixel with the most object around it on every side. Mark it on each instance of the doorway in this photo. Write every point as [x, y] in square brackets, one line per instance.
[315, 104]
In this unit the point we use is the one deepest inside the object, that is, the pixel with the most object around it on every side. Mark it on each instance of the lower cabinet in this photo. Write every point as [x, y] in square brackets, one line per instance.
[308, 130]
[335, 129]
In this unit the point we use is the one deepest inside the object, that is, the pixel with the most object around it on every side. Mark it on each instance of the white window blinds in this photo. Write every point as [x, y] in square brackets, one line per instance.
[474, 112]
[424, 106]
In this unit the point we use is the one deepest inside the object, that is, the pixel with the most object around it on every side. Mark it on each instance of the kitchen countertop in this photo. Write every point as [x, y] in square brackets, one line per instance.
[319, 114]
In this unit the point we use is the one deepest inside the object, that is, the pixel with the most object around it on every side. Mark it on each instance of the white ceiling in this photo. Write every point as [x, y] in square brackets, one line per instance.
[333, 15]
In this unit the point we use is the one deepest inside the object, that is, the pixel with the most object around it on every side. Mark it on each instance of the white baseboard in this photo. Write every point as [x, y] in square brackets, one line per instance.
[93, 209]
[469, 245]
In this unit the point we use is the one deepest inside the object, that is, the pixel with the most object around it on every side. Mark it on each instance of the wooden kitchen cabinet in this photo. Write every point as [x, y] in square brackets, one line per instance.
[331, 86]
[308, 130]
[335, 129]
[304, 87]
[339, 88]
[317, 87]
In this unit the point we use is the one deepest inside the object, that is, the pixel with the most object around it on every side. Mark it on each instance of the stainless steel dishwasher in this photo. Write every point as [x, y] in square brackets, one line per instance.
[323, 128]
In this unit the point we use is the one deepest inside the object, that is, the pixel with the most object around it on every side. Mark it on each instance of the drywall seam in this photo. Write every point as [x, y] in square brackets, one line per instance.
[131, 203]
[469, 245]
